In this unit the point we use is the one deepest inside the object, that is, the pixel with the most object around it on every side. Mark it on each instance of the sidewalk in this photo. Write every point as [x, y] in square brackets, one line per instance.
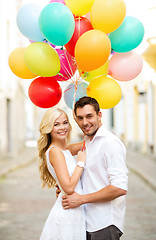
[24, 158]
[142, 165]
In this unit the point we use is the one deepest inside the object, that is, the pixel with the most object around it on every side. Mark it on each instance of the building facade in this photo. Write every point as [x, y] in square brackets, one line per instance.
[133, 119]
[12, 99]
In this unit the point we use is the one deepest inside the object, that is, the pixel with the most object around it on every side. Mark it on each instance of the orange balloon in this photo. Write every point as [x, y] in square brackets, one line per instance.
[92, 50]
[17, 64]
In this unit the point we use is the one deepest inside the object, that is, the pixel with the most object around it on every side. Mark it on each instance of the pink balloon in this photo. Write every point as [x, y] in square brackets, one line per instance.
[125, 66]
[60, 1]
[88, 16]
[68, 65]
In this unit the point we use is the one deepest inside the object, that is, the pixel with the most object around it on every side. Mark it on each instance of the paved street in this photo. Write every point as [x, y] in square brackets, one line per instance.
[140, 221]
[24, 206]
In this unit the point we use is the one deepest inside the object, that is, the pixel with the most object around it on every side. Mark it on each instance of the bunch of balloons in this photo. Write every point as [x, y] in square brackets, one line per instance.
[88, 43]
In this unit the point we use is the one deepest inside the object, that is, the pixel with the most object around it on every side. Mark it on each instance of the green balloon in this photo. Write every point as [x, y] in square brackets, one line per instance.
[42, 59]
[128, 36]
[57, 23]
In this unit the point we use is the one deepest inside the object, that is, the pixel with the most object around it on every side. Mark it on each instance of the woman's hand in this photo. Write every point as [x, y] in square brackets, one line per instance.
[81, 156]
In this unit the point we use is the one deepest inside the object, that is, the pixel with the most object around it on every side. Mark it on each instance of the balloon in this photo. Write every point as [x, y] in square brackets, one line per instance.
[17, 64]
[88, 16]
[45, 42]
[107, 15]
[106, 91]
[125, 66]
[89, 76]
[69, 93]
[82, 25]
[128, 36]
[45, 92]
[52, 45]
[68, 65]
[42, 59]
[60, 1]
[92, 50]
[79, 7]
[27, 22]
[57, 23]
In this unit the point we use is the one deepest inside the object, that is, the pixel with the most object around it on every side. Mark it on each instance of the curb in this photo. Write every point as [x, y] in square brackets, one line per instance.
[150, 181]
[16, 167]
[146, 178]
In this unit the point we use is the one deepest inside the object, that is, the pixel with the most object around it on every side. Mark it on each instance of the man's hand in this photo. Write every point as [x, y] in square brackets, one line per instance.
[58, 190]
[71, 201]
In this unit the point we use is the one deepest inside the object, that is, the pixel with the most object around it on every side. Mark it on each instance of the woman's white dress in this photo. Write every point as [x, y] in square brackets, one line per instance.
[64, 224]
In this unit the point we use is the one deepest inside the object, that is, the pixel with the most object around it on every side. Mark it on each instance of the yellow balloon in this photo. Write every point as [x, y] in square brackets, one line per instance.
[79, 7]
[89, 76]
[42, 59]
[106, 91]
[107, 15]
[17, 64]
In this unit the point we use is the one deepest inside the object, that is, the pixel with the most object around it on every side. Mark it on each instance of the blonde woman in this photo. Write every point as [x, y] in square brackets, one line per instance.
[57, 166]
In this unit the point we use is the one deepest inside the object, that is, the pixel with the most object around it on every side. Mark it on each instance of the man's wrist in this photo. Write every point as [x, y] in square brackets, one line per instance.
[83, 199]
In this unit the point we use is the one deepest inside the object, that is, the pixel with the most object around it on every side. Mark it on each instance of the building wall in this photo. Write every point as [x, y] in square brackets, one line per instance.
[12, 116]
[135, 115]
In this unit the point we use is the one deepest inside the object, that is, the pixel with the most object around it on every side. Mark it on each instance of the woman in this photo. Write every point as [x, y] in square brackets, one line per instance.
[57, 166]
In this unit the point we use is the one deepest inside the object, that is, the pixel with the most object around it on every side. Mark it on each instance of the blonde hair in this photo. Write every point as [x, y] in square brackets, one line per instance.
[44, 142]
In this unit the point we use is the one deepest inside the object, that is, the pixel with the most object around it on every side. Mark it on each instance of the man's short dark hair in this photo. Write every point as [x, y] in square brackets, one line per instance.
[87, 101]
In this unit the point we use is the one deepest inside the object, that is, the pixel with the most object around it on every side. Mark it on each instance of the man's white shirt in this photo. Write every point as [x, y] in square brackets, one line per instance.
[105, 165]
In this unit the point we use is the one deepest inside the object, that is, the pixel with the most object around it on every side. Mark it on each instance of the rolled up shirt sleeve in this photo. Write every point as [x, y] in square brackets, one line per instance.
[116, 165]
[118, 178]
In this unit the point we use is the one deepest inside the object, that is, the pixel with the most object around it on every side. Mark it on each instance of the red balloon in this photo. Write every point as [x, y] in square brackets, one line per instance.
[82, 25]
[45, 92]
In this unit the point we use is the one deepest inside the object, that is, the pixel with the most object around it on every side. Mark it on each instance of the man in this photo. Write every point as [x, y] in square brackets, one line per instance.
[104, 178]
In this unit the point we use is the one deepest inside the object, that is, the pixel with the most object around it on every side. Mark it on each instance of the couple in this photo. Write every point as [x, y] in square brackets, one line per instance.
[94, 207]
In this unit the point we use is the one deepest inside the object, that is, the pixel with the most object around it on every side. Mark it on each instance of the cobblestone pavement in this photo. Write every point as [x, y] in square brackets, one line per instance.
[140, 222]
[24, 206]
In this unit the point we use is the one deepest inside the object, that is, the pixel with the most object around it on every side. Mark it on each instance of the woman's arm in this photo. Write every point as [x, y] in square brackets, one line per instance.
[57, 160]
[75, 147]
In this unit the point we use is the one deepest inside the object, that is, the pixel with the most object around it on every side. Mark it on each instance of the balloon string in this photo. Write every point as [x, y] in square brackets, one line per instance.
[76, 83]
[79, 28]
[75, 94]
[65, 68]
[69, 63]
[71, 80]
[67, 89]
[99, 76]
[84, 145]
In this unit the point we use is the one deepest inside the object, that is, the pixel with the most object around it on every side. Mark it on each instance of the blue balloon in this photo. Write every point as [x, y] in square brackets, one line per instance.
[57, 23]
[128, 36]
[28, 22]
[70, 92]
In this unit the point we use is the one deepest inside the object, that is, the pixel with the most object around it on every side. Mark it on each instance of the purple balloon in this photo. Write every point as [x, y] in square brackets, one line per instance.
[31, 41]
[52, 45]
[60, 1]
